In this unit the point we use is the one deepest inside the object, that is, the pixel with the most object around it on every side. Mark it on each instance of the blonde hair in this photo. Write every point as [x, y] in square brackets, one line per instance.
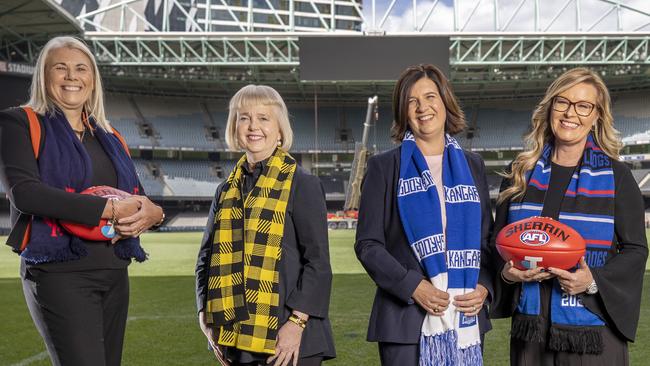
[258, 95]
[605, 135]
[39, 100]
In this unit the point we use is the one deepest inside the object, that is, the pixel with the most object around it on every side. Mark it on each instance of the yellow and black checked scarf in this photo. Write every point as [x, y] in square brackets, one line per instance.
[243, 284]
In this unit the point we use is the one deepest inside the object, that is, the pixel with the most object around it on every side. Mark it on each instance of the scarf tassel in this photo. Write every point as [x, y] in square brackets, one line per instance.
[35, 254]
[130, 249]
[576, 340]
[527, 328]
[441, 349]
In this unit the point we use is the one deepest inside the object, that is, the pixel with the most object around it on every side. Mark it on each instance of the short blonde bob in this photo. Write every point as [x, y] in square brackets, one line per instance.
[41, 102]
[258, 95]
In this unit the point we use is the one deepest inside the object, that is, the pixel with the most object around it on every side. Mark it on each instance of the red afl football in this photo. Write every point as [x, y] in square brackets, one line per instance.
[103, 231]
[540, 242]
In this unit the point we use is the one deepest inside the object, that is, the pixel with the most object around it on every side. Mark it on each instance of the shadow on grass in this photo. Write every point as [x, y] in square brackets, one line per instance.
[163, 329]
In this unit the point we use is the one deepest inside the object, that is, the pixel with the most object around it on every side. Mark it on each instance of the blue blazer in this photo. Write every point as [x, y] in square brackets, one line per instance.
[384, 251]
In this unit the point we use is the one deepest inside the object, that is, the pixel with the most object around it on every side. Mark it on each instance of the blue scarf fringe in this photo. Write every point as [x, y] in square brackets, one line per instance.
[440, 350]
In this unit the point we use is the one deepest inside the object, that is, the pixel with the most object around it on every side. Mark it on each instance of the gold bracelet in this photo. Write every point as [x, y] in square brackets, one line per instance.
[113, 215]
[302, 323]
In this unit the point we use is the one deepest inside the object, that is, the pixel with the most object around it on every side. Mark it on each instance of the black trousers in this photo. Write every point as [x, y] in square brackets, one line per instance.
[398, 354]
[80, 315]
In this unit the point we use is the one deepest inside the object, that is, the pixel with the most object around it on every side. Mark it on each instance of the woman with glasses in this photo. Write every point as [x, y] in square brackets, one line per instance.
[570, 172]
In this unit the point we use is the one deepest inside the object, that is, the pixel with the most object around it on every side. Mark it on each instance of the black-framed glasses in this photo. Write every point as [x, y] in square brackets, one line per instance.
[582, 107]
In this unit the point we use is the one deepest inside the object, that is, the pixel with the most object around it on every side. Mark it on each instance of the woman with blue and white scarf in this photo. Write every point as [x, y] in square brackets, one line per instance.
[424, 220]
[571, 172]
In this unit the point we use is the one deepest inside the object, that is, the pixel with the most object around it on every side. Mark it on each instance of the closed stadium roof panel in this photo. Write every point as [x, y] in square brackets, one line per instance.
[35, 19]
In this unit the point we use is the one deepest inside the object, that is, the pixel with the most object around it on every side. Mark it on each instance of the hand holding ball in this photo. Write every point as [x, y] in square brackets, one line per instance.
[103, 231]
[540, 242]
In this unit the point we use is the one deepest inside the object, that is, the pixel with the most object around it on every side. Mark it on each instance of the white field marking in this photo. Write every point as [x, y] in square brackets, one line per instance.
[37, 357]
[159, 317]
[43, 355]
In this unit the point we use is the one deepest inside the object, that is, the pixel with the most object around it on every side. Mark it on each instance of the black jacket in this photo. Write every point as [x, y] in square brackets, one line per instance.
[304, 267]
[384, 251]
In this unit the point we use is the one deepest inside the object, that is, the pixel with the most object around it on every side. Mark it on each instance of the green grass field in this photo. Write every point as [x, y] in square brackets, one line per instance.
[162, 327]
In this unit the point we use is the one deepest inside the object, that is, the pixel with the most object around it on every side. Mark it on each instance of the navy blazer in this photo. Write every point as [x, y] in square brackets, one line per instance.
[385, 253]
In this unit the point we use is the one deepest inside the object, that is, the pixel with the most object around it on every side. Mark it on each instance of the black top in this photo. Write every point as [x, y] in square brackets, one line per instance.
[28, 195]
[304, 267]
[557, 185]
[250, 176]
[383, 250]
[619, 281]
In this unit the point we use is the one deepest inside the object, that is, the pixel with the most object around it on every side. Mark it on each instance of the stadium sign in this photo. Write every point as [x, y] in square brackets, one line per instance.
[16, 68]
[636, 157]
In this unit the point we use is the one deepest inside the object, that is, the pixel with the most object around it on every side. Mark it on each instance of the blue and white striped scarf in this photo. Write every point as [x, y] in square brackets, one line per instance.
[588, 207]
[451, 259]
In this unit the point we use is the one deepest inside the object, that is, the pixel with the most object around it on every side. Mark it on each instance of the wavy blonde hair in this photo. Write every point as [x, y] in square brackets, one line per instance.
[258, 95]
[605, 135]
[41, 102]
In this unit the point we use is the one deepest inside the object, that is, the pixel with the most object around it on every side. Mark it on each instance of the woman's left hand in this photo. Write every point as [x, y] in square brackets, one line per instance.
[576, 282]
[287, 347]
[134, 225]
[471, 303]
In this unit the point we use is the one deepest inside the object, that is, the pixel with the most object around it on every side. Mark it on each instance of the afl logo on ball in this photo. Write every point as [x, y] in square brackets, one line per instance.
[534, 238]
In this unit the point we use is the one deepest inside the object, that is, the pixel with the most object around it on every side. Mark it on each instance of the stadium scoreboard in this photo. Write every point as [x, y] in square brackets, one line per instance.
[363, 58]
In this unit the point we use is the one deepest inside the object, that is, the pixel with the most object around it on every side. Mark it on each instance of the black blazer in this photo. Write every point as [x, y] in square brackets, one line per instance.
[384, 251]
[304, 267]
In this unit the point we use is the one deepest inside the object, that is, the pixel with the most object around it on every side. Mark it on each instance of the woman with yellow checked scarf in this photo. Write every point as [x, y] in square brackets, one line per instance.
[263, 275]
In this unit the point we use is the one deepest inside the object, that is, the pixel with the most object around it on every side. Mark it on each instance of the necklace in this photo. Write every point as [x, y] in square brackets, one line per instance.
[80, 133]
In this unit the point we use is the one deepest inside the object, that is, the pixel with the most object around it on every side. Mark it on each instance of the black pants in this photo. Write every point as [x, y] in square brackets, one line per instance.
[80, 315]
[398, 354]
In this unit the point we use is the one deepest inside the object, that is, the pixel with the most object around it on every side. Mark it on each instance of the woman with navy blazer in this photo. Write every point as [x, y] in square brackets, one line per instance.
[419, 304]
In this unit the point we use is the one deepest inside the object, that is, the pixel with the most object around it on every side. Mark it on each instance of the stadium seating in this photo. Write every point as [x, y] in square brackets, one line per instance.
[152, 186]
[188, 220]
[5, 223]
[120, 113]
[185, 124]
[188, 178]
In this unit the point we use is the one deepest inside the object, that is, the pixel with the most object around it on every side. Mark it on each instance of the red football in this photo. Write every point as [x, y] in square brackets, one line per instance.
[103, 231]
[540, 242]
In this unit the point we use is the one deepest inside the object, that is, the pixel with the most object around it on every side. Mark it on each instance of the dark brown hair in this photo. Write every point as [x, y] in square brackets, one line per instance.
[455, 117]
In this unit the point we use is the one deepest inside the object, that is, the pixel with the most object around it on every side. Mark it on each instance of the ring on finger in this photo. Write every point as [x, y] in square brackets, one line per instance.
[473, 307]
[436, 308]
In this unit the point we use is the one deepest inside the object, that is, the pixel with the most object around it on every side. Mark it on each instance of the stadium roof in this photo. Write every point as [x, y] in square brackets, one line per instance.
[207, 48]
[26, 24]
[35, 18]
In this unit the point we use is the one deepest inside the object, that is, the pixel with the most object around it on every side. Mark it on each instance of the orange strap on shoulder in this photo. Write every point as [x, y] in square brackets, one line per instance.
[34, 130]
[35, 137]
[26, 236]
[119, 137]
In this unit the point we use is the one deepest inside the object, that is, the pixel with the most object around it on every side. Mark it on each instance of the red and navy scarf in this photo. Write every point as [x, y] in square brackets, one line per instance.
[63, 163]
[587, 207]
